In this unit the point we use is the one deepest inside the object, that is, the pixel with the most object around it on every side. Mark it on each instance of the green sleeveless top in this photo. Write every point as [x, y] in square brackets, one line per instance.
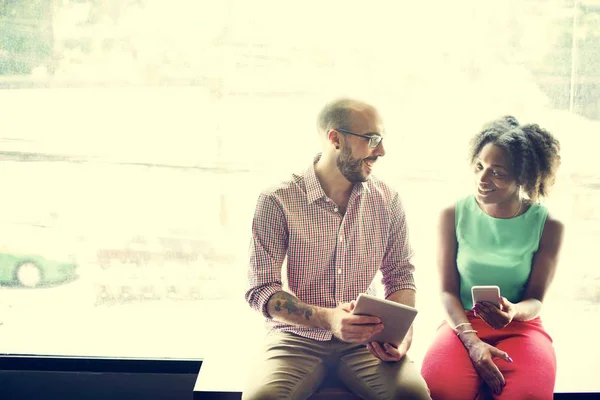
[495, 251]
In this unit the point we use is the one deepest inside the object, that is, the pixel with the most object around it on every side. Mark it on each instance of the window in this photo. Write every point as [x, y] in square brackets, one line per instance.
[136, 136]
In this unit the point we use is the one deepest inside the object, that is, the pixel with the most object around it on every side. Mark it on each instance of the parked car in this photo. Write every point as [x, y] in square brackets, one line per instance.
[29, 270]
[34, 250]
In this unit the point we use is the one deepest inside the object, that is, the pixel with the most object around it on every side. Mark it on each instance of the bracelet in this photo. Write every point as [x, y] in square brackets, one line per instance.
[464, 323]
[466, 331]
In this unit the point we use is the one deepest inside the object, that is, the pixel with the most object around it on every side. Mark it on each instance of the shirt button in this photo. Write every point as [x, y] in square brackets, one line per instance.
[341, 239]
[339, 271]
[336, 209]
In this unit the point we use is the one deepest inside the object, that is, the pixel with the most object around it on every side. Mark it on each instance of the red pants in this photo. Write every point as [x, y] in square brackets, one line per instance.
[449, 373]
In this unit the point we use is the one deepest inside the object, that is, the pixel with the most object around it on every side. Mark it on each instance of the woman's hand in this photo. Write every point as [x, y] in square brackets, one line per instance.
[481, 355]
[493, 316]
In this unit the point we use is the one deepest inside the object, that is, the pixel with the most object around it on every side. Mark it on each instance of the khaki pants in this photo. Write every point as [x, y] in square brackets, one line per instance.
[293, 367]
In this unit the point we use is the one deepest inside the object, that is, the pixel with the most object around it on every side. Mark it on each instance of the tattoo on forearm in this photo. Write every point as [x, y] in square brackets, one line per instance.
[292, 305]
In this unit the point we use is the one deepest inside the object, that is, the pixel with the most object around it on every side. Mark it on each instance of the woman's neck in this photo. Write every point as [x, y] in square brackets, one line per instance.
[508, 209]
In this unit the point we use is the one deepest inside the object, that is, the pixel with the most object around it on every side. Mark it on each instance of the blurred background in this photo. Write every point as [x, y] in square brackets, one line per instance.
[136, 135]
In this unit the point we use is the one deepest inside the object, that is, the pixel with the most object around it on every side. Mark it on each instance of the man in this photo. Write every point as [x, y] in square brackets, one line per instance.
[337, 226]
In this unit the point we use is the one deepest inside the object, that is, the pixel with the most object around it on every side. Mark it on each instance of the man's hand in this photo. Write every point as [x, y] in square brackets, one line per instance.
[493, 316]
[481, 356]
[387, 351]
[352, 328]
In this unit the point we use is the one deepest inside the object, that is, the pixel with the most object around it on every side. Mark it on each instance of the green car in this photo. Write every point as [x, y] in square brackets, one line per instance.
[34, 271]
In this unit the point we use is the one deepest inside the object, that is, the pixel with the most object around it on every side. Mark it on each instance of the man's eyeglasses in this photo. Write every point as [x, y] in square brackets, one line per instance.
[373, 138]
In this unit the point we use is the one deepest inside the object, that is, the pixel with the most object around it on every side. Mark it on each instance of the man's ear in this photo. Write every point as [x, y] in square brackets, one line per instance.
[334, 138]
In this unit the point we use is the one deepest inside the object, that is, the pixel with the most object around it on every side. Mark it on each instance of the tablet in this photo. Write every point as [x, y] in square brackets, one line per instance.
[490, 294]
[397, 318]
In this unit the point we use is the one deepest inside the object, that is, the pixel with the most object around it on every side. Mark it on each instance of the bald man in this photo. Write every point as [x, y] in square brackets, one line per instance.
[336, 226]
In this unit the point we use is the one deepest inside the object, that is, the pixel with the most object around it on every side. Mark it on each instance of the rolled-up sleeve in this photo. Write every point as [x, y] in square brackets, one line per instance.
[268, 249]
[396, 268]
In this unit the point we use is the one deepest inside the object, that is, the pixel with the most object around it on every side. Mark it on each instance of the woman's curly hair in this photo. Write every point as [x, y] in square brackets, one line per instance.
[533, 152]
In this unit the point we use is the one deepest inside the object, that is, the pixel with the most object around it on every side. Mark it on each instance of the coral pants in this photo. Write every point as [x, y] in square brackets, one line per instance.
[449, 373]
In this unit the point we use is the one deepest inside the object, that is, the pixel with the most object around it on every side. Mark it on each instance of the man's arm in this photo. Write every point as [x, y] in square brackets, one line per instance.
[285, 307]
[268, 249]
[406, 297]
[386, 351]
[396, 268]
[340, 321]
[397, 278]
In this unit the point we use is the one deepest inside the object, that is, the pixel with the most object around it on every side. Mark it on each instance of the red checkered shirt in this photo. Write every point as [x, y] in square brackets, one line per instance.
[330, 258]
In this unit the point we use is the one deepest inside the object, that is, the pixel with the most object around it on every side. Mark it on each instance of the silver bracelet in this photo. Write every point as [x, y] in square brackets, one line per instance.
[464, 323]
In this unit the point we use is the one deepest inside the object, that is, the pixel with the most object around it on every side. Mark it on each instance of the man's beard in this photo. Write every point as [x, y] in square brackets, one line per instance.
[350, 167]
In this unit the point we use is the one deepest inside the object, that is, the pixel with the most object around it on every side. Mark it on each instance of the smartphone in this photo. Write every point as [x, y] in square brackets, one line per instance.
[491, 294]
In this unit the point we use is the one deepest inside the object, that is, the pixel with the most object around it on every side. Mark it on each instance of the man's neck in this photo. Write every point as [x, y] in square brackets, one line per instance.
[334, 184]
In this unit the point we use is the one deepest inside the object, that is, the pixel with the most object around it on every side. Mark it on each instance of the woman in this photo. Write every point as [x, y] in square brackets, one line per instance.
[500, 236]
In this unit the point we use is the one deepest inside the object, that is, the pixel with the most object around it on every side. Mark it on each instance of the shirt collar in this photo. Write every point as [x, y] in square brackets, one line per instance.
[314, 190]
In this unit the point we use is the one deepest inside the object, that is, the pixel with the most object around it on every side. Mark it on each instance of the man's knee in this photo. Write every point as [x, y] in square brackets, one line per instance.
[413, 389]
[284, 385]
[279, 390]
[416, 390]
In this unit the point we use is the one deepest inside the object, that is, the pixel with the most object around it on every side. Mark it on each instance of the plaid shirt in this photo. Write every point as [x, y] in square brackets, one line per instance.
[330, 258]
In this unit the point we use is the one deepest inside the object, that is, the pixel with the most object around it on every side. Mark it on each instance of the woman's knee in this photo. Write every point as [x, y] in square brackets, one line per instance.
[454, 387]
[526, 392]
[451, 392]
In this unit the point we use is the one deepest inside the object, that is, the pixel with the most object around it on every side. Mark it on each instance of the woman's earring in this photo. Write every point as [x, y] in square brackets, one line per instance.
[337, 147]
